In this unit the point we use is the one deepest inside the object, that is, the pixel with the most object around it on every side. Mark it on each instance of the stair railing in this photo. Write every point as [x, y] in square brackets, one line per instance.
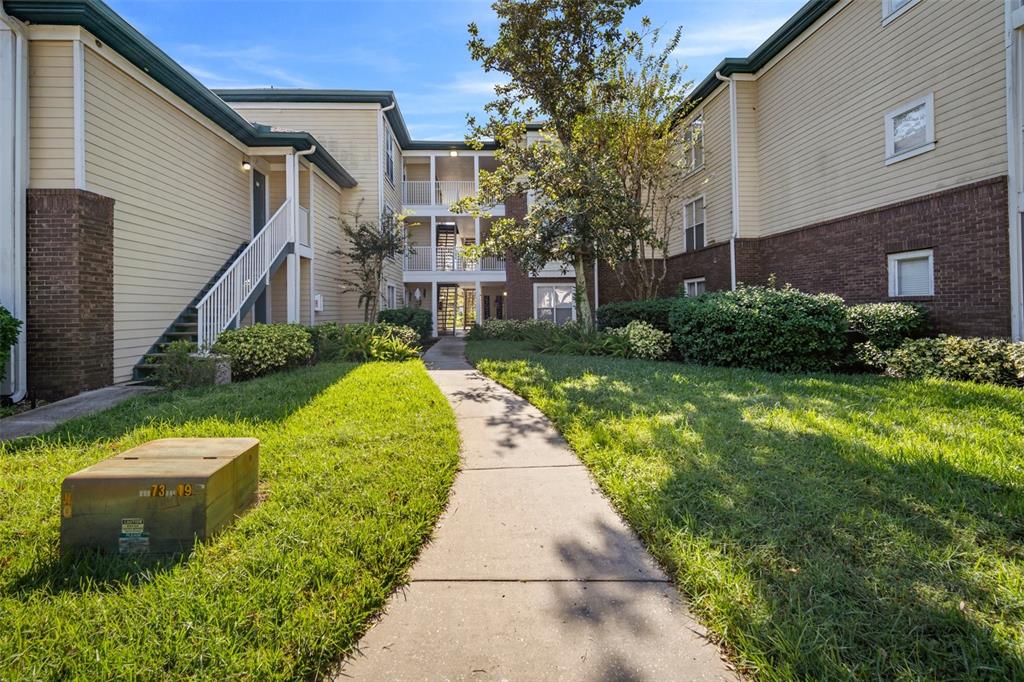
[222, 304]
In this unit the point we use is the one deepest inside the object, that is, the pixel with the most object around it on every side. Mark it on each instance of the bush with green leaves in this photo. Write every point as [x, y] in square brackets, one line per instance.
[10, 326]
[264, 348]
[644, 340]
[654, 312]
[572, 339]
[181, 367]
[887, 325]
[365, 341]
[762, 327]
[507, 330]
[419, 319]
[990, 361]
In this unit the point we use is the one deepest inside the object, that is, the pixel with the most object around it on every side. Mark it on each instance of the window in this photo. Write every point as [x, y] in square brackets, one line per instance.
[554, 303]
[910, 129]
[894, 8]
[389, 155]
[391, 297]
[911, 273]
[693, 225]
[693, 145]
[694, 287]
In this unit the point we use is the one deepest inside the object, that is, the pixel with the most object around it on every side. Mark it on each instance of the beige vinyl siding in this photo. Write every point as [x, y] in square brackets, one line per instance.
[51, 114]
[305, 301]
[749, 180]
[821, 108]
[279, 294]
[326, 242]
[714, 181]
[350, 135]
[182, 203]
[393, 192]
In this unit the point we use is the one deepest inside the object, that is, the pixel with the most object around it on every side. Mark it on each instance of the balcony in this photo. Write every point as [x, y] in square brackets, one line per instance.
[426, 259]
[437, 193]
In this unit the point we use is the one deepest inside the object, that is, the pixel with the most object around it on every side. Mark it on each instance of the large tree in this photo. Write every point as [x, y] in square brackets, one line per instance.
[367, 244]
[552, 53]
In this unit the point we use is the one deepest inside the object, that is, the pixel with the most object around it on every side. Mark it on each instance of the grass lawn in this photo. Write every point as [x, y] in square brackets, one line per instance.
[824, 527]
[355, 466]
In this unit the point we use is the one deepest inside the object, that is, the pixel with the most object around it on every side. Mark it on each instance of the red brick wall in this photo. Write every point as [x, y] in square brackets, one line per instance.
[70, 263]
[966, 227]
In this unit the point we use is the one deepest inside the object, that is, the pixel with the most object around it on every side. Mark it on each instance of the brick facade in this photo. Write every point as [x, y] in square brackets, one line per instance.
[70, 264]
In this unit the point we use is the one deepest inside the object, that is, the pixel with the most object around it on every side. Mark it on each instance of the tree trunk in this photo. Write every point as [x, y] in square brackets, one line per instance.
[583, 313]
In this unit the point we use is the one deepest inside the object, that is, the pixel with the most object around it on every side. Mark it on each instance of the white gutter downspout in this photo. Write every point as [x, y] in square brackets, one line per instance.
[1014, 121]
[734, 173]
[380, 158]
[13, 186]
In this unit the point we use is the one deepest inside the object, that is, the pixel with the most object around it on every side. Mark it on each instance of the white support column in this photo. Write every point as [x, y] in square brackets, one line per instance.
[291, 173]
[433, 179]
[433, 242]
[312, 240]
[78, 103]
[476, 229]
[292, 275]
[291, 186]
[433, 306]
[476, 174]
[479, 303]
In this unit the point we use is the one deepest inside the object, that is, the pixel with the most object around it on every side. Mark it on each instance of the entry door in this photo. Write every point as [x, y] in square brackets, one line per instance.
[259, 219]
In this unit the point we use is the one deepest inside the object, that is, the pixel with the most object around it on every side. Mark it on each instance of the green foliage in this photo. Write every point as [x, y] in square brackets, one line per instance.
[573, 339]
[826, 527]
[782, 330]
[654, 312]
[886, 325]
[992, 361]
[9, 329]
[507, 330]
[264, 348]
[355, 467]
[418, 319]
[644, 340]
[363, 342]
[180, 367]
[369, 243]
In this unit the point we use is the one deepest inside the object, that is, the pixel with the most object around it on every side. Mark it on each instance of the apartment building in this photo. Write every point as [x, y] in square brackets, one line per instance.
[869, 148]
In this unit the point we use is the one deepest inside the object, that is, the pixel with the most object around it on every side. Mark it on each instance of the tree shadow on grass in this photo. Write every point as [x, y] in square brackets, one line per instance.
[856, 540]
[241, 409]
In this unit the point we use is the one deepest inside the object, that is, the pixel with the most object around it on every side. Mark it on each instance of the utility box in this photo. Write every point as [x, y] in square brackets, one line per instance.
[159, 497]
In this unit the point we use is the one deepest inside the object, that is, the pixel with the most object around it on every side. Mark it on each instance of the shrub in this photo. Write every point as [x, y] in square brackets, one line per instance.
[571, 339]
[418, 319]
[263, 348]
[887, 325]
[760, 327]
[362, 342]
[181, 368]
[507, 330]
[993, 361]
[644, 340]
[654, 312]
[9, 329]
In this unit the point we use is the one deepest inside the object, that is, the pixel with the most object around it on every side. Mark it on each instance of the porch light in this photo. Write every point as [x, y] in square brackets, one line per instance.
[453, 152]
[246, 165]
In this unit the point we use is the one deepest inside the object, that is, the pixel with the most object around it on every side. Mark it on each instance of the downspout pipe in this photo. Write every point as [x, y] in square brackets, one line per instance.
[734, 172]
[380, 157]
[13, 187]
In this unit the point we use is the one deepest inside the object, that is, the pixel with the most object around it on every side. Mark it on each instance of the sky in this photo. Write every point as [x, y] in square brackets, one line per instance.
[418, 49]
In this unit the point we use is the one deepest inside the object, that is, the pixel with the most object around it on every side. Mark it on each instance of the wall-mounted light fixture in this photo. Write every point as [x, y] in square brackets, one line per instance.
[453, 152]
[246, 165]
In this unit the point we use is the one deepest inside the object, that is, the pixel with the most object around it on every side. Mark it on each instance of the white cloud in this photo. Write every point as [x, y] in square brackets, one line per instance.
[736, 38]
[227, 67]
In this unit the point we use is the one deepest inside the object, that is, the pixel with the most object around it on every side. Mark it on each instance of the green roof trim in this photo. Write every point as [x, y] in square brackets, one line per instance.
[766, 51]
[384, 98]
[97, 18]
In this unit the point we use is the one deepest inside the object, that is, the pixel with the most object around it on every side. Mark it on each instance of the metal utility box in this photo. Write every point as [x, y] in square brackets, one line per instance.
[159, 497]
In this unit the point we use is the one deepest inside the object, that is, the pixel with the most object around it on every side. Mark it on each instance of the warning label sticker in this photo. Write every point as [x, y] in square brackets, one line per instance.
[132, 527]
[133, 538]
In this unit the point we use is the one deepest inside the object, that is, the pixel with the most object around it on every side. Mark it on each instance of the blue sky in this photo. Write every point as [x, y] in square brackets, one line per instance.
[417, 49]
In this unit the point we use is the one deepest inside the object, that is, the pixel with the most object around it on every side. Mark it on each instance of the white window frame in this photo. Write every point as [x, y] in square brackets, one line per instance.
[389, 155]
[890, 139]
[693, 280]
[890, 14]
[688, 155]
[392, 296]
[539, 285]
[686, 225]
[894, 283]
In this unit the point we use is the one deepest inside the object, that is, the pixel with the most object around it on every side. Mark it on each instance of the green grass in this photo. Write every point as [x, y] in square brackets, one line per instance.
[355, 466]
[823, 526]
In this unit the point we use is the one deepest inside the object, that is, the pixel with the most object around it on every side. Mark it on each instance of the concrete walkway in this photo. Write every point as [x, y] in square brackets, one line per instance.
[42, 419]
[531, 575]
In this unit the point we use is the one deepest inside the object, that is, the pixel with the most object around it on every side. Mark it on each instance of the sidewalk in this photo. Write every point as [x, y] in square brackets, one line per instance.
[44, 418]
[531, 575]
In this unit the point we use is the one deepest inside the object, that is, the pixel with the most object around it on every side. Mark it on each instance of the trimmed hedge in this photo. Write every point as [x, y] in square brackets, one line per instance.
[643, 340]
[418, 319]
[9, 329]
[654, 312]
[760, 327]
[887, 325]
[264, 348]
[992, 361]
[508, 330]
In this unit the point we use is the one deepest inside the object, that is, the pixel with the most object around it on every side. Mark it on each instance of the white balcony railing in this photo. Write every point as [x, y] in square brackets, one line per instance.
[419, 259]
[447, 259]
[443, 192]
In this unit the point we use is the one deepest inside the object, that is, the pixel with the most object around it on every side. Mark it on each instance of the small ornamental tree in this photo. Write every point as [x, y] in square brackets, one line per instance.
[367, 245]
